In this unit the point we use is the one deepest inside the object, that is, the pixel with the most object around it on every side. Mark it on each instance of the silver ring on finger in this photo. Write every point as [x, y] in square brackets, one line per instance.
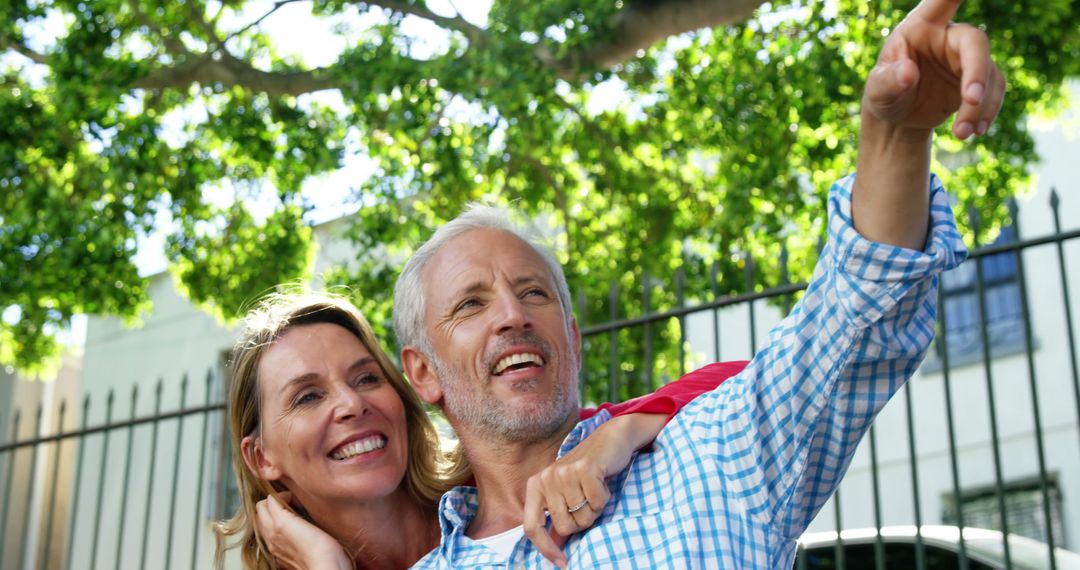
[578, 506]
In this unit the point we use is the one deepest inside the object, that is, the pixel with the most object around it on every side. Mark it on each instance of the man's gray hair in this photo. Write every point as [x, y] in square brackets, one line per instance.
[409, 301]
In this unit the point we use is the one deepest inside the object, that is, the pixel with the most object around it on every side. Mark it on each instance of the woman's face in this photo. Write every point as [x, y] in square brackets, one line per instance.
[333, 428]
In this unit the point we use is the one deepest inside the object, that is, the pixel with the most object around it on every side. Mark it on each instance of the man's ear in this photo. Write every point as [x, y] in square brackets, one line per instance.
[421, 375]
[575, 342]
[256, 460]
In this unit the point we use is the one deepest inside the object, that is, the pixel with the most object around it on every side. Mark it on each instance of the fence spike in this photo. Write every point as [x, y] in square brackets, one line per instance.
[784, 277]
[714, 278]
[1014, 216]
[973, 220]
[748, 271]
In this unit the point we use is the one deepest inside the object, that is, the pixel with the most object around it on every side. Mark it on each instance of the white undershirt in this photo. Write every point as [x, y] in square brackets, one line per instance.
[504, 542]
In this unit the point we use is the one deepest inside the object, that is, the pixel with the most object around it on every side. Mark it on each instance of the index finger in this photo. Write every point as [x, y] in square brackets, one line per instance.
[937, 11]
[533, 522]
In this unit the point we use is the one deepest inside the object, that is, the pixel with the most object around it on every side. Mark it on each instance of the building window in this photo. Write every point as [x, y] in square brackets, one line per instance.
[1024, 504]
[1004, 310]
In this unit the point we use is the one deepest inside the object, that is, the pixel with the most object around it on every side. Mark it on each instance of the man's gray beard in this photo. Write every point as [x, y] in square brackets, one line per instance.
[487, 416]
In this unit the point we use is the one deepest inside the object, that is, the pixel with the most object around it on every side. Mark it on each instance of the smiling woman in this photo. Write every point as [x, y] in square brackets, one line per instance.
[317, 409]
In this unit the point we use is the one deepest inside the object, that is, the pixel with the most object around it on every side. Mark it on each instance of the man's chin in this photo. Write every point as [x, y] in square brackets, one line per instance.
[533, 420]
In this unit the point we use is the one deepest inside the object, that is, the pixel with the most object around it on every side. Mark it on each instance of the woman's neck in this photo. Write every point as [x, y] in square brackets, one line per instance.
[391, 533]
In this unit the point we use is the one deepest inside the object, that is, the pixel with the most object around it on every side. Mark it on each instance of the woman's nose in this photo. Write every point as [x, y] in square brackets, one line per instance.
[348, 404]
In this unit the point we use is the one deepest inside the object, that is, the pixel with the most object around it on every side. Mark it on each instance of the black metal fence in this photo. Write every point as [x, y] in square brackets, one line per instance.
[140, 492]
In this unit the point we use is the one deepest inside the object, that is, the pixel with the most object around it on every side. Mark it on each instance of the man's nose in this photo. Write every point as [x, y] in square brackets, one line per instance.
[513, 315]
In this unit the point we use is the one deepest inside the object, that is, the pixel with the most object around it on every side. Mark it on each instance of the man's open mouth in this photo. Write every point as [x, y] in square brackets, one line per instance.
[517, 362]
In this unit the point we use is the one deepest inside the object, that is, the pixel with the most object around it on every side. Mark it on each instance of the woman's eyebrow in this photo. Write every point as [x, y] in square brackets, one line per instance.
[362, 362]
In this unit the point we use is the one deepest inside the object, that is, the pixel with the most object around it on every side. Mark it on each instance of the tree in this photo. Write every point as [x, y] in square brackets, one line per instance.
[735, 117]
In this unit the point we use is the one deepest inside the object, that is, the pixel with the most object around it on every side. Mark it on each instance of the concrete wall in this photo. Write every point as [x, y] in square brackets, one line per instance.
[37, 482]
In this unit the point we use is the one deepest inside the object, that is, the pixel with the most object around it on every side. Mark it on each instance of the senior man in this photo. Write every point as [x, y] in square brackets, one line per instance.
[738, 474]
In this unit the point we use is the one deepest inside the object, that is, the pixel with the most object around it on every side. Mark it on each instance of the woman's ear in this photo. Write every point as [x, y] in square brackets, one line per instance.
[421, 375]
[255, 458]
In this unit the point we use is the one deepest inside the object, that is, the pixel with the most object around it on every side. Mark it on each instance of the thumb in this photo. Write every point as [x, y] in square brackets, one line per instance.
[889, 84]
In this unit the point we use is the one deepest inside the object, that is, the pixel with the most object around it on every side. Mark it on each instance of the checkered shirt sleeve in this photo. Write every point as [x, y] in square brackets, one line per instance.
[740, 472]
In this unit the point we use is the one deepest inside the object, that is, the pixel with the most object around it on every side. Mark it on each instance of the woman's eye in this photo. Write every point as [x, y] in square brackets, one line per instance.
[307, 398]
[536, 293]
[367, 379]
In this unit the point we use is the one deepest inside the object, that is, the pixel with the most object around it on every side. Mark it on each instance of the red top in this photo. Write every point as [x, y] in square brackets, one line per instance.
[671, 397]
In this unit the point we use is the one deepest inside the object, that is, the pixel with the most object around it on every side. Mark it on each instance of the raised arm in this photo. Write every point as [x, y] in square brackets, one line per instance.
[785, 430]
[928, 69]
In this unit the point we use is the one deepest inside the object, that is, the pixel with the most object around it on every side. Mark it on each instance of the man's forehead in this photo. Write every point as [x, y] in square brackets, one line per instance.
[471, 256]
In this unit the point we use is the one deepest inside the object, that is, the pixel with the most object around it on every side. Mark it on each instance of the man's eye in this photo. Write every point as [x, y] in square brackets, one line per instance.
[537, 293]
[468, 304]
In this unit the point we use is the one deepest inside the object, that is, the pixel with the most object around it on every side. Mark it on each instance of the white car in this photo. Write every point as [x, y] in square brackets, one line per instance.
[984, 548]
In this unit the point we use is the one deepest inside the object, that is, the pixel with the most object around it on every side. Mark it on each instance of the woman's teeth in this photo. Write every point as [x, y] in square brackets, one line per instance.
[355, 448]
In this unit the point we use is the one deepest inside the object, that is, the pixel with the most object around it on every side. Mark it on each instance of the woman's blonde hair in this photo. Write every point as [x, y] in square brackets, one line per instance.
[428, 474]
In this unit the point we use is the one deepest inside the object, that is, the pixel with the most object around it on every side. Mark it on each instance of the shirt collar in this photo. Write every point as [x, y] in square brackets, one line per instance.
[458, 506]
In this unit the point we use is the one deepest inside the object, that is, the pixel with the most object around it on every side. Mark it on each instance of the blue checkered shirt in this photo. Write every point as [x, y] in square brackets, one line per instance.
[740, 472]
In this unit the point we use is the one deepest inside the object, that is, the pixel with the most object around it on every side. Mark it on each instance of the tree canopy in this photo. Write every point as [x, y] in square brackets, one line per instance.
[730, 119]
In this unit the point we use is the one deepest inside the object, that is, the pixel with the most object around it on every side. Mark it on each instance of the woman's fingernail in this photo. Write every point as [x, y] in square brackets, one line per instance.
[964, 130]
[981, 129]
[975, 92]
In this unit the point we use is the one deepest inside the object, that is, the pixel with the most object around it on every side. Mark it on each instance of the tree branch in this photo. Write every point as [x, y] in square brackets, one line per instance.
[26, 52]
[200, 20]
[229, 72]
[172, 44]
[644, 23]
[455, 23]
[277, 6]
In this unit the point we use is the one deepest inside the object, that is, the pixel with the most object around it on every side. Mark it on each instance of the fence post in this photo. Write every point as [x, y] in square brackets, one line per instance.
[1055, 204]
[1029, 349]
[127, 472]
[53, 485]
[650, 380]
[30, 488]
[150, 477]
[202, 470]
[101, 480]
[9, 482]
[176, 473]
[999, 485]
[78, 484]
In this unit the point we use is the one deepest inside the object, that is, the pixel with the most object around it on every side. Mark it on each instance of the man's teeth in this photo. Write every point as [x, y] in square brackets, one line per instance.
[360, 446]
[515, 359]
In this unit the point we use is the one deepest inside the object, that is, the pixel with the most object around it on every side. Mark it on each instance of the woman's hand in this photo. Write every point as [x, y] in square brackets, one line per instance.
[572, 490]
[295, 542]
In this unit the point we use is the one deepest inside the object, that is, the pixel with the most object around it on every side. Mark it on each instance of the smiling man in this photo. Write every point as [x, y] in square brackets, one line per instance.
[736, 476]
